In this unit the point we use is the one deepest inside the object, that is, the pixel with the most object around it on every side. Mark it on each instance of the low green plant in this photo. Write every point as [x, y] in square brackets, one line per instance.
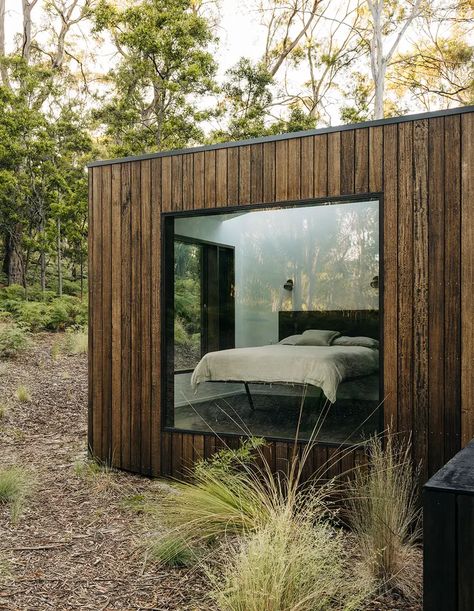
[225, 496]
[37, 310]
[384, 515]
[13, 340]
[172, 550]
[32, 315]
[23, 394]
[66, 311]
[13, 292]
[14, 487]
[3, 410]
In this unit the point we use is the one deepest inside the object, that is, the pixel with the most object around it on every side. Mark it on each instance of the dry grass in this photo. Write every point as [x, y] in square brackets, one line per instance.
[15, 485]
[384, 516]
[23, 394]
[76, 342]
[277, 550]
[3, 410]
[289, 564]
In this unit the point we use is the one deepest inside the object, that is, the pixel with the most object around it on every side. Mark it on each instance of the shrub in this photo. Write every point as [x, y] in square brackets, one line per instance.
[180, 335]
[33, 315]
[14, 292]
[384, 516]
[13, 340]
[23, 394]
[14, 487]
[38, 310]
[66, 312]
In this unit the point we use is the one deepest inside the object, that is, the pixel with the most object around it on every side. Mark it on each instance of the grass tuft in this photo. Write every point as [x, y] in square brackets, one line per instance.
[172, 550]
[76, 342]
[55, 350]
[290, 563]
[3, 410]
[23, 394]
[384, 516]
[14, 487]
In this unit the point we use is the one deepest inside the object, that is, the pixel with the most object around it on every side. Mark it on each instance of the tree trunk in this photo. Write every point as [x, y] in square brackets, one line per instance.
[82, 277]
[379, 95]
[42, 255]
[13, 264]
[27, 6]
[59, 257]
[3, 69]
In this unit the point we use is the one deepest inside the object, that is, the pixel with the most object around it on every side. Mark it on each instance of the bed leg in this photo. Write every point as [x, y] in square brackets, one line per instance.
[249, 396]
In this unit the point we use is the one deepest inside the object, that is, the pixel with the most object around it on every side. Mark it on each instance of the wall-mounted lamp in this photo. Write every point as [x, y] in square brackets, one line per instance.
[374, 283]
[288, 286]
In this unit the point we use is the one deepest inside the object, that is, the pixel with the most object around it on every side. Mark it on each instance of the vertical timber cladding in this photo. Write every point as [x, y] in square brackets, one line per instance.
[422, 166]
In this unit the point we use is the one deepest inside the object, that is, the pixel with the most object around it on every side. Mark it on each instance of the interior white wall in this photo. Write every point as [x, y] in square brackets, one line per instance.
[330, 252]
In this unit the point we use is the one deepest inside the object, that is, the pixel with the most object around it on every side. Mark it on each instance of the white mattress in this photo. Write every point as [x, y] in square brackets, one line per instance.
[322, 366]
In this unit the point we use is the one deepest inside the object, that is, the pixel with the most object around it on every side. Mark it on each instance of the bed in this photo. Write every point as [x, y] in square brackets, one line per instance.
[325, 367]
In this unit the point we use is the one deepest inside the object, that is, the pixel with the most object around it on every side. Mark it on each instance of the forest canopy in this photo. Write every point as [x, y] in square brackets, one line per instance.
[82, 79]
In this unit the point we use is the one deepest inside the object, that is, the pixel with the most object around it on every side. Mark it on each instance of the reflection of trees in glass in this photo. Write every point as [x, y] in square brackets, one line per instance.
[187, 304]
[331, 252]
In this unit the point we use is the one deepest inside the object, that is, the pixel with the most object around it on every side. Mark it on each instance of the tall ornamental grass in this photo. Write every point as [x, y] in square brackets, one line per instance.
[384, 515]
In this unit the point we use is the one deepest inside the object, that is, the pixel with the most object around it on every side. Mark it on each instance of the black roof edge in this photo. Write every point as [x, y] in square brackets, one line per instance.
[288, 136]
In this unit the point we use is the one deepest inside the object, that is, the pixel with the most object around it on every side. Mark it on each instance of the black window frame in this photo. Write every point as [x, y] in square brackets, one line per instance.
[167, 269]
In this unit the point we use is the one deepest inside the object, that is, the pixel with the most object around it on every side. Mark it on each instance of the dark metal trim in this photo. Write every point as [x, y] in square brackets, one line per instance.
[287, 136]
[302, 442]
[168, 217]
[293, 203]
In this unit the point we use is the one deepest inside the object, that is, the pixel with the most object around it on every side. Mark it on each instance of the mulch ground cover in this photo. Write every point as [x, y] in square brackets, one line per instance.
[78, 543]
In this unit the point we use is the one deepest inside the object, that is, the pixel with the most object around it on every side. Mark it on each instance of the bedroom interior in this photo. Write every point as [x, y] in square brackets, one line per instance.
[211, 215]
[240, 365]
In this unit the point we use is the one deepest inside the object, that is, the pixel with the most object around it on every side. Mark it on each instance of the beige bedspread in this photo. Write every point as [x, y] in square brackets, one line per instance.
[322, 366]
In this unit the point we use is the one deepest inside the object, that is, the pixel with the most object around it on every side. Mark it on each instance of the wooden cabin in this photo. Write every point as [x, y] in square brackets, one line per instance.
[312, 281]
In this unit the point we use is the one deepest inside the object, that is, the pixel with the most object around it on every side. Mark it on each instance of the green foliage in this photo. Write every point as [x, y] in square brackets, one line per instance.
[247, 98]
[384, 515]
[13, 340]
[172, 550]
[165, 68]
[43, 310]
[32, 315]
[15, 485]
[230, 459]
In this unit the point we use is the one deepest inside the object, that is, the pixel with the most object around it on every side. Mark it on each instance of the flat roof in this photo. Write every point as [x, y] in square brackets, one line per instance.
[457, 475]
[288, 135]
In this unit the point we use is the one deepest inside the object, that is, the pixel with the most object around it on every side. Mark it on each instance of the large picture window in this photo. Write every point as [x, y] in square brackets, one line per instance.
[273, 321]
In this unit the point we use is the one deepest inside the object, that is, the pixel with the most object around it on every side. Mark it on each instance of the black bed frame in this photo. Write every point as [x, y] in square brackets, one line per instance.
[348, 322]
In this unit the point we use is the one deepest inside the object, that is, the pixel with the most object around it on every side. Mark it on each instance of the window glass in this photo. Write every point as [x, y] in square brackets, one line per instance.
[255, 297]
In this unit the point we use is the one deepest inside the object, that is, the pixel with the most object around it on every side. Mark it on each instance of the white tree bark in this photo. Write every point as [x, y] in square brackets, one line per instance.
[28, 6]
[379, 59]
[3, 69]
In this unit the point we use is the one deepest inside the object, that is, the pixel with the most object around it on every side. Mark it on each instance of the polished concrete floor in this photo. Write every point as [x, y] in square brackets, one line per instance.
[225, 408]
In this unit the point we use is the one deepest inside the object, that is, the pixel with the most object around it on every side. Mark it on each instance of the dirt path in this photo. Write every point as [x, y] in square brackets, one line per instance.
[76, 546]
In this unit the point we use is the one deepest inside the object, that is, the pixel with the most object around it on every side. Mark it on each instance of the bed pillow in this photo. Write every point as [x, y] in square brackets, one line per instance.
[290, 340]
[366, 342]
[317, 337]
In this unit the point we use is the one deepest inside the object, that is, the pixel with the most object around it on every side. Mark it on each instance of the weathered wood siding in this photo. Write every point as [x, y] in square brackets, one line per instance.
[422, 167]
